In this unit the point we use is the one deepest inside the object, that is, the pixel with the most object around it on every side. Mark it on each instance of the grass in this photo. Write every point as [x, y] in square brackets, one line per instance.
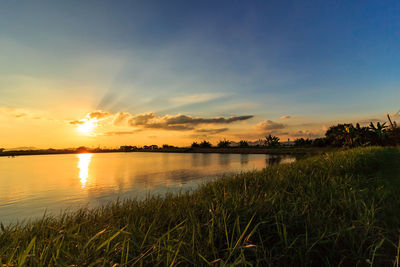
[338, 209]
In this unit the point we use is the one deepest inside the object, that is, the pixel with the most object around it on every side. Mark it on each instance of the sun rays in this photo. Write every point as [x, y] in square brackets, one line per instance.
[87, 128]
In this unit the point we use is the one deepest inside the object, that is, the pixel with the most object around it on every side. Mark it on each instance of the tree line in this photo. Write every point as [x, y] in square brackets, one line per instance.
[340, 135]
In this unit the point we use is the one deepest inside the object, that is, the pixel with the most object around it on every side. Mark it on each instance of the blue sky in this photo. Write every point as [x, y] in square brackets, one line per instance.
[317, 61]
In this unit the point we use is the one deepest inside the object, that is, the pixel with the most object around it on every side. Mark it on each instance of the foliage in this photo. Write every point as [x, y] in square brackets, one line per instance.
[348, 135]
[127, 148]
[166, 146]
[224, 143]
[195, 144]
[302, 142]
[151, 147]
[205, 144]
[320, 142]
[271, 141]
[338, 135]
[379, 133]
[336, 209]
[243, 143]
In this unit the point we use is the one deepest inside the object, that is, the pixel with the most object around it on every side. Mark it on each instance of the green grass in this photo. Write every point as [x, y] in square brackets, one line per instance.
[341, 208]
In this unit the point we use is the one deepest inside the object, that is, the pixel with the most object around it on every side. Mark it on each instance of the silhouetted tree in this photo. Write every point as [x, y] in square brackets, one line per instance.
[320, 142]
[271, 141]
[195, 144]
[379, 133]
[347, 135]
[205, 144]
[243, 143]
[339, 135]
[127, 148]
[302, 142]
[224, 143]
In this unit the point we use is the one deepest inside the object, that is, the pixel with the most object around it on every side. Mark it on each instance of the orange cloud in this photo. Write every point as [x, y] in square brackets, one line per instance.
[270, 125]
[98, 114]
[285, 117]
[121, 117]
[76, 122]
[150, 120]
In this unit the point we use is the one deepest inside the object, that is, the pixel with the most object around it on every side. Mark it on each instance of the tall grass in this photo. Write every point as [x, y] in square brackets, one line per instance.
[336, 209]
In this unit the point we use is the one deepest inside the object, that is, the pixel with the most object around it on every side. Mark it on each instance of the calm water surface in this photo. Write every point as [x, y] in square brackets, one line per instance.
[31, 185]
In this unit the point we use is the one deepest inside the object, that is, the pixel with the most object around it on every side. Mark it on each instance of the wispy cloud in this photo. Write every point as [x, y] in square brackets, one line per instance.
[285, 117]
[77, 122]
[121, 132]
[212, 131]
[19, 113]
[270, 125]
[97, 115]
[196, 98]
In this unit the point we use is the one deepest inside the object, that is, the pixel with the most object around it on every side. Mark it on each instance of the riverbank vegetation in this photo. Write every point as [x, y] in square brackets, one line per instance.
[335, 209]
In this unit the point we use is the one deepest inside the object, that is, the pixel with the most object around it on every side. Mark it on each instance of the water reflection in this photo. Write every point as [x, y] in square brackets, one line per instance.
[244, 159]
[273, 159]
[95, 179]
[224, 159]
[83, 166]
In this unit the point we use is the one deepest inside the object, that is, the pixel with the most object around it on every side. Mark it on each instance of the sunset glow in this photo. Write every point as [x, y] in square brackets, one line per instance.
[87, 127]
[83, 166]
[145, 75]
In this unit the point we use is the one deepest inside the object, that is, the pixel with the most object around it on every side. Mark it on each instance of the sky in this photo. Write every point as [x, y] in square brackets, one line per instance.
[112, 73]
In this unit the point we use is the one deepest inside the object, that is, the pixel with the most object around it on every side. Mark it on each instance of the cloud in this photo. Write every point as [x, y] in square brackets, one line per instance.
[197, 98]
[212, 131]
[397, 114]
[20, 115]
[163, 126]
[121, 117]
[270, 125]
[98, 114]
[150, 120]
[76, 122]
[174, 122]
[121, 132]
[285, 117]
[16, 113]
[141, 119]
[185, 119]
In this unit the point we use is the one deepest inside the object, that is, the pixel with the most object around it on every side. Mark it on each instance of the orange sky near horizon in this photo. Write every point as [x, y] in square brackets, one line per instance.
[40, 129]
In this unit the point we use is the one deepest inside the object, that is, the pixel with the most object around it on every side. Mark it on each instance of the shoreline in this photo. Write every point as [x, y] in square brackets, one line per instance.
[233, 150]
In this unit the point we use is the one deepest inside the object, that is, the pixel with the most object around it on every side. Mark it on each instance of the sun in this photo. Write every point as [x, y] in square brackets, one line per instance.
[87, 127]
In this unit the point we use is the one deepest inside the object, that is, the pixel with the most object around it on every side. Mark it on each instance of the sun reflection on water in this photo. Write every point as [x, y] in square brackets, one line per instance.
[83, 166]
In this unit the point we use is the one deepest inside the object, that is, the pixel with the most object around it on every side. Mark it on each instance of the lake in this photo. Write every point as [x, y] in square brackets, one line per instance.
[33, 185]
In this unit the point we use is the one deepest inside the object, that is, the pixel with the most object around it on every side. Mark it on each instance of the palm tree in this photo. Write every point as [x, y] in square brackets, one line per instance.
[271, 141]
[379, 131]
